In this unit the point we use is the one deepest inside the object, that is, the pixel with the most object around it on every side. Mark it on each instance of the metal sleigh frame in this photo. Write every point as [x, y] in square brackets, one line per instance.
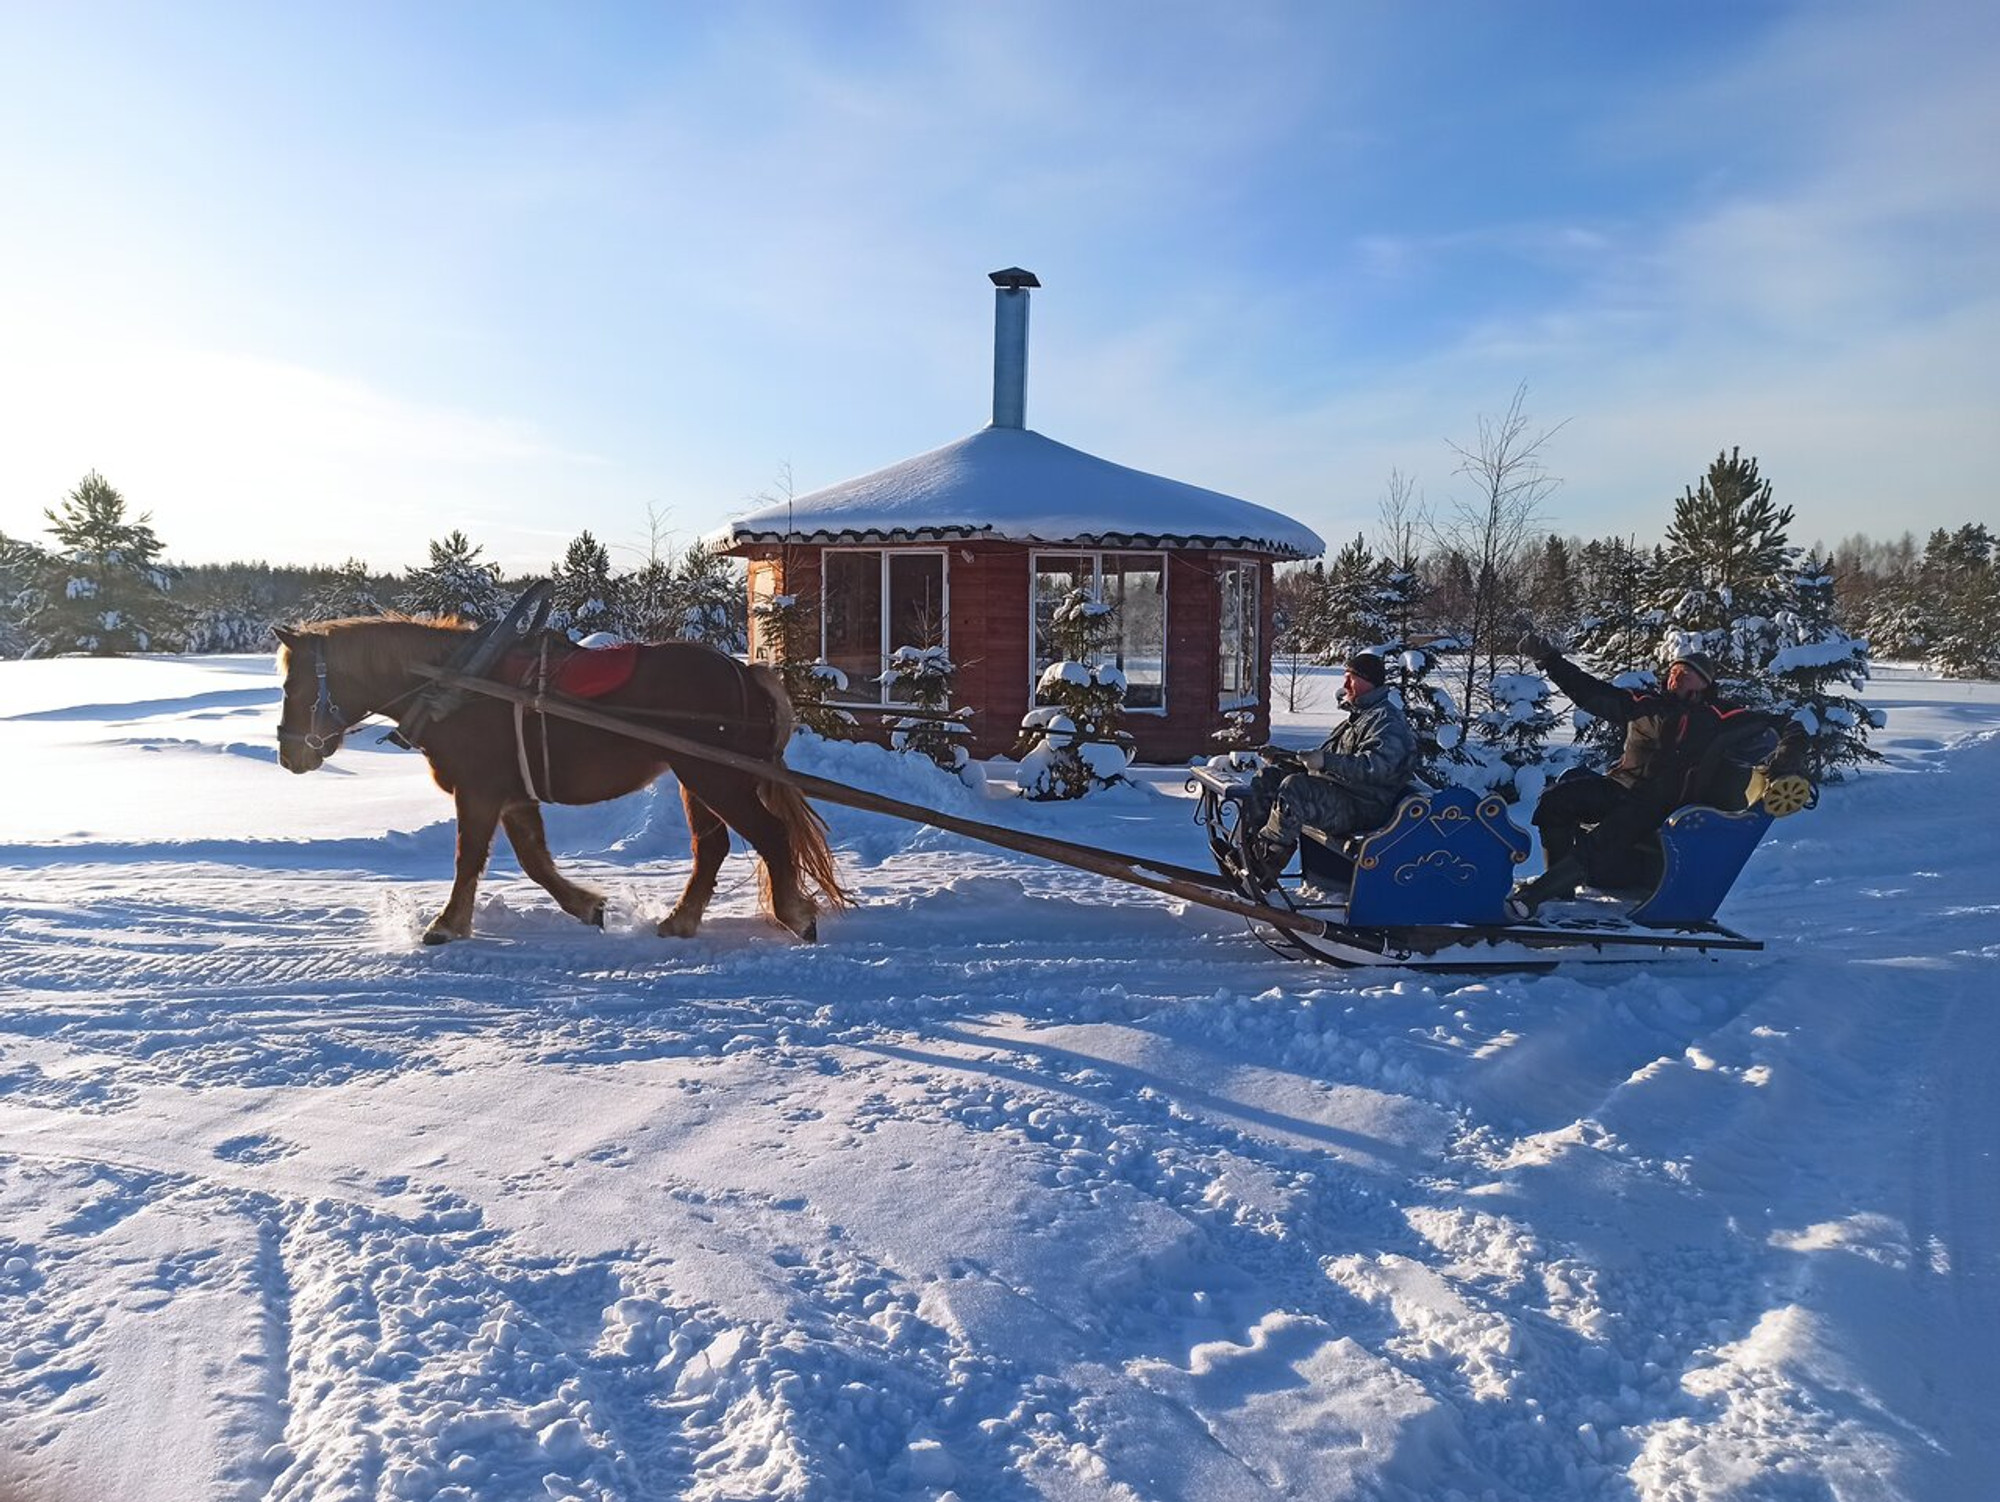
[1428, 889]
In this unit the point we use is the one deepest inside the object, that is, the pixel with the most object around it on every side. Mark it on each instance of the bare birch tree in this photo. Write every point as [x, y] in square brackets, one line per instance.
[1490, 530]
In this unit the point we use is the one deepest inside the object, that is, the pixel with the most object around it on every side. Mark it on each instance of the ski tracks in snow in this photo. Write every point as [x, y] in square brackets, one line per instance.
[1000, 1193]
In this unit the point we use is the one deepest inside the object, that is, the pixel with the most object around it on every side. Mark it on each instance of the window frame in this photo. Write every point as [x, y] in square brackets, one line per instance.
[1253, 569]
[1097, 557]
[883, 555]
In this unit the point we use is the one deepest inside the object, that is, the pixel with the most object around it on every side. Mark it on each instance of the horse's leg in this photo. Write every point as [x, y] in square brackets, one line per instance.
[477, 817]
[709, 838]
[523, 823]
[734, 796]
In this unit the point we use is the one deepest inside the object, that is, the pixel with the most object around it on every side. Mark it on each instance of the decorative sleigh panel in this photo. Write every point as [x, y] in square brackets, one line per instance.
[1446, 857]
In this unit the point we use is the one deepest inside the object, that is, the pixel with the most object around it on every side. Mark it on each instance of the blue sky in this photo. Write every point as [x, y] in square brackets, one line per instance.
[316, 281]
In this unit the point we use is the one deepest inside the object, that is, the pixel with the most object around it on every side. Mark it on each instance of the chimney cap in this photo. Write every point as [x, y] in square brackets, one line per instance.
[1013, 278]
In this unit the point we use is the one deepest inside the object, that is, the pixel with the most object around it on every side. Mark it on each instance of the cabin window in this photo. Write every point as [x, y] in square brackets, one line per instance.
[1240, 619]
[1136, 584]
[874, 600]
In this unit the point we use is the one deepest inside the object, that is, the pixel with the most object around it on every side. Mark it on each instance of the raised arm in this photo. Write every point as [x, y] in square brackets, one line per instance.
[1590, 694]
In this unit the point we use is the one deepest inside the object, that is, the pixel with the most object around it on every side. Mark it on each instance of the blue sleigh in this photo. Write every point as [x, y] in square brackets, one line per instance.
[1430, 886]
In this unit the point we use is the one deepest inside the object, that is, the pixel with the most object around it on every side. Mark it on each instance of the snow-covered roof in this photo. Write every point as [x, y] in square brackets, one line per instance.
[1015, 485]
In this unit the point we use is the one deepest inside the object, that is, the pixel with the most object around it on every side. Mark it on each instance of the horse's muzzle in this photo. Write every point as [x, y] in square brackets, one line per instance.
[299, 755]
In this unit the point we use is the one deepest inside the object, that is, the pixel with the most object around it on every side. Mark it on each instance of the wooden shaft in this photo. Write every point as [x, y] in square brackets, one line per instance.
[1158, 876]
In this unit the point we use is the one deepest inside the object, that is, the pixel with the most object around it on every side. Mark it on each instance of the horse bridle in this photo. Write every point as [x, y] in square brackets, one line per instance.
[324, 710]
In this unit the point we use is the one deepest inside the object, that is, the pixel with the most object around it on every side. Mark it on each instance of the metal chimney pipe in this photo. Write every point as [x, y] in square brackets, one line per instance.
[1010, 346]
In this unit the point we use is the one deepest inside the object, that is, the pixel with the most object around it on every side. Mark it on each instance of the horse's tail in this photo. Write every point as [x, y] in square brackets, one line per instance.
[804, 826]
[809, 848]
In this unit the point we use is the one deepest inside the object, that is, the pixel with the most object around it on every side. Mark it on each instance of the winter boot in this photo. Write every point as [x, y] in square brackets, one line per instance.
[1265, 856]
[1558, 882]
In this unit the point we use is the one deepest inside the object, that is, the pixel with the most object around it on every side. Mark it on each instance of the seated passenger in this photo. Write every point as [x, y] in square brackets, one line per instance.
[1675, 739]
[1351, 783]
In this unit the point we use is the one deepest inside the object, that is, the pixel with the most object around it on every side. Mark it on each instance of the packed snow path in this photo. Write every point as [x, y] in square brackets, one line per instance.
[1019, 1185]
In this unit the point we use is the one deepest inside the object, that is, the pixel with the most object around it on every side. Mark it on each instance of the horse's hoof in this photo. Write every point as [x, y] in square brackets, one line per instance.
[672, 927]
[594, 914]
[809, 934]
[437, 935]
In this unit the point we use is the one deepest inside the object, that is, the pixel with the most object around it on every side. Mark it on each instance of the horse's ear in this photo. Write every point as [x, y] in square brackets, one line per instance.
[286, 638]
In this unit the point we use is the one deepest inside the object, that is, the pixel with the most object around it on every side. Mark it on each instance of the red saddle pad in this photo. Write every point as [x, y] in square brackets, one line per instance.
[596, 671]
[586, 673]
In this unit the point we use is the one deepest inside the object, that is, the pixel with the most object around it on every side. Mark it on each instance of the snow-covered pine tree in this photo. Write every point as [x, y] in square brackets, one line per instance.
[1411, 654]
[1961, 574]
[1727, 573]
[1815, 661]
[338, 593]
[22, 566]
[1554, 591]
[652, 611]
[105, 590]
[1901, 618]
[585, 598]
[790, 628]
[922, 677]
[454, 583]
[1071, 741]
[227, 619]
[1618, 634]
[710, 591]
[1618, 624]
[1516, 723]
[1354, 604]
[1435, 721]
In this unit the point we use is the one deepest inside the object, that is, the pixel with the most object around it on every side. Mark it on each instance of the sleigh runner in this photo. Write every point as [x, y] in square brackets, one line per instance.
[502, 714]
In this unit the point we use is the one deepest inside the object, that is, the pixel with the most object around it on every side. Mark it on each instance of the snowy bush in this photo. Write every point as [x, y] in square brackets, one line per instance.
[1234, 733]
[1071, 743]
[1516, 723]
[922, 678]
[1430, 709]
[786, 629]
[1814, 669]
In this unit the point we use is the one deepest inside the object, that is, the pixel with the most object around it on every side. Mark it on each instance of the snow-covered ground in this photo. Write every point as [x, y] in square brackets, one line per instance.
[1019, 1185]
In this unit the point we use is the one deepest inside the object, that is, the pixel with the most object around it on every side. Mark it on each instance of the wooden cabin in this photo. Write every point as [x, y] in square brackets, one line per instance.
[971, 547]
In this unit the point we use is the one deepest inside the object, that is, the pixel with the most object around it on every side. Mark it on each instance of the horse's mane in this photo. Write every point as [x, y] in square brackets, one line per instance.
[385, 644]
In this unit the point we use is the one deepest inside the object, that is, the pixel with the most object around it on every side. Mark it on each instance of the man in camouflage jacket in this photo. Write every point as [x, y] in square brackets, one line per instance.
[1352, 782]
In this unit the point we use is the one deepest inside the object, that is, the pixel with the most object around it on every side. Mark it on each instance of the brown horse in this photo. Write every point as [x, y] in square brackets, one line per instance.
[338, 673]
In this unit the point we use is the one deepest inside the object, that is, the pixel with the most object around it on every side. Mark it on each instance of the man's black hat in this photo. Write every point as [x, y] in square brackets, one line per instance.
[1369, 665]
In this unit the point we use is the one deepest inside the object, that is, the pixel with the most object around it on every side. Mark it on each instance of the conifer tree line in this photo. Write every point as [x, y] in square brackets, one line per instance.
[102, 586]
[1790, 627]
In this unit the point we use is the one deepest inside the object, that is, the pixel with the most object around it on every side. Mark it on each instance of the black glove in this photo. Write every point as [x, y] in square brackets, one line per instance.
[1537, 648]
[1280, 756]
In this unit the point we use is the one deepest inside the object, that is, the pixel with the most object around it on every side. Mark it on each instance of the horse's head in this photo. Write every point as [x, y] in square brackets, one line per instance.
[310, 725]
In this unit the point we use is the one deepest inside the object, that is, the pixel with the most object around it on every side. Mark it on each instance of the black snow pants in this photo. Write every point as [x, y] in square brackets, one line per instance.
[1603, 822]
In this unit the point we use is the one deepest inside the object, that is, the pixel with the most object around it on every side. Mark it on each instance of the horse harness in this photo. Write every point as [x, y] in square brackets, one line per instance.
[540, 683]
[324, 709]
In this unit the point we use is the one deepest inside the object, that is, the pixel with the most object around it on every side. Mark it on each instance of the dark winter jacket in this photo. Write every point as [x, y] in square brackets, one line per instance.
[1371, 753]
[1667, 740]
